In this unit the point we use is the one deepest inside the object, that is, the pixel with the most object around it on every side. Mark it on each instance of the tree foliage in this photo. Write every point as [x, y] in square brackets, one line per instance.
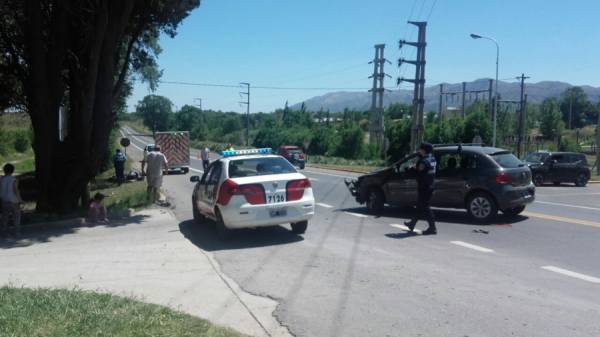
[156, 112]
[78, 55]
[551, 124]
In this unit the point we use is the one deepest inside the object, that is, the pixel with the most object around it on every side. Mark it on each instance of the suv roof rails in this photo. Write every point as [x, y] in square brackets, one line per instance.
[458, 144]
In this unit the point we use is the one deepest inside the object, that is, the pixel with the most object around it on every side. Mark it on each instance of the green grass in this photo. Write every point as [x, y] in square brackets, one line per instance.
[57, 313]
[138, 126]
[358, 165]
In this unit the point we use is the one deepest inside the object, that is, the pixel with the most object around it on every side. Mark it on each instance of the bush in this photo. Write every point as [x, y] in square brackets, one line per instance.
[22, 142]
[568, 145]
[5, 143]
[351, 142]
[399, 135]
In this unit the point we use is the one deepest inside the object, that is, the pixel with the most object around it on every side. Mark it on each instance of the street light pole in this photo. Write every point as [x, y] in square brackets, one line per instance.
[495, 107]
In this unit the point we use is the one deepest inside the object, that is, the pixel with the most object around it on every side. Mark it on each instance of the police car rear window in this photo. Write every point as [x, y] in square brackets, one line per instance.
[259, 167]
[507, 160]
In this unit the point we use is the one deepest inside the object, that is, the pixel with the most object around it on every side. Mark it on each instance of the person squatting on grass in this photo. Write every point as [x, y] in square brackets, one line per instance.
[97, 211]
[10, 199]
[155, 163]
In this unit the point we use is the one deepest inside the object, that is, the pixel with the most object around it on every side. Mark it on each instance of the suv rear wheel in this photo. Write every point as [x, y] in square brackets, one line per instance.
[375, 200]
[482, 207]
[514, 211]
[538, 179]
[581, 180]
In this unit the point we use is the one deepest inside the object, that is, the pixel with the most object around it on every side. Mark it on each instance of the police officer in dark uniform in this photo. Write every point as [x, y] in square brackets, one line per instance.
[425, 169]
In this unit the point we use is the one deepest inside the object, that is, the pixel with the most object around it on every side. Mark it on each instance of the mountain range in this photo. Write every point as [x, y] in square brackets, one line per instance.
[536, 93]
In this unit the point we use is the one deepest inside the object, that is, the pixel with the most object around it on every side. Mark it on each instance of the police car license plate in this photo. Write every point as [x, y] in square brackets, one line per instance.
[275, 198]
[278, 212]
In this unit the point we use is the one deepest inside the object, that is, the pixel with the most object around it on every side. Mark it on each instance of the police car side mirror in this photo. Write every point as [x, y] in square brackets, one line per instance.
[194, 179]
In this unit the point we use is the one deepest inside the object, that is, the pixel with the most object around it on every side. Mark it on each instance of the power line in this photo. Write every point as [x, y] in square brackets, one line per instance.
[260, 87]
[431, 10]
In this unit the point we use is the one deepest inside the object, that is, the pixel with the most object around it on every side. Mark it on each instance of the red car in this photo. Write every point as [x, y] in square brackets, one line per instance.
[293, 154]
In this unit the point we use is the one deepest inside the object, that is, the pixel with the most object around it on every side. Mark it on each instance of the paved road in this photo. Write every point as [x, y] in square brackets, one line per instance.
[353, 274]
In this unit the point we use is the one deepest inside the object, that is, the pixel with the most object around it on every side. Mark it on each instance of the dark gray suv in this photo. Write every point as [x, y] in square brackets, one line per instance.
[480, 179]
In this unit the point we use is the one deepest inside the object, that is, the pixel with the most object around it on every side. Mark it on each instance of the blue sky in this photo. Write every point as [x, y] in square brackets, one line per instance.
[328, 43]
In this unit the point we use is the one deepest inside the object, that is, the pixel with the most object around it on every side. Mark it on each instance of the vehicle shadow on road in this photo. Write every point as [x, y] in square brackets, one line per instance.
[205, 237]
[45, 232]
[441, 215]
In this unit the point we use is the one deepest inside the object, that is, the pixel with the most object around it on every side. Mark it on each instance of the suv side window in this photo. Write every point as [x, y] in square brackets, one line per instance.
[407, 164]
[560, 158]
[448, 164]
[579, 159]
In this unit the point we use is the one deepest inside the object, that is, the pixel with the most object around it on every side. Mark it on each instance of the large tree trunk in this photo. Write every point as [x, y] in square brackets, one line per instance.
[64, 169]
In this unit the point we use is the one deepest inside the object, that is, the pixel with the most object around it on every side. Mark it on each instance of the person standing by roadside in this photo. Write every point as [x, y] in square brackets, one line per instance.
[425, 169]
[119, 160]
[155, 163]
[205, 155]
[11, 199]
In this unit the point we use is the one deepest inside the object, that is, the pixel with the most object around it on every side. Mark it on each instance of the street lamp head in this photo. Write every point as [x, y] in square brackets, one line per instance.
[475, 36]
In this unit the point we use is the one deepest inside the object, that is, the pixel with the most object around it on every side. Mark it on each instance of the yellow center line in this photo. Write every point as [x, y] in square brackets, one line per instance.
[562, 219]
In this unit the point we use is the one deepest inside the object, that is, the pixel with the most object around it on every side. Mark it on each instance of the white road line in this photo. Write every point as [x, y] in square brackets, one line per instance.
[196, 170]
[324, 205]
[357, 215]
[405, 228]
[566, 205]
[572, 274]
[474, 247]
[313, 179]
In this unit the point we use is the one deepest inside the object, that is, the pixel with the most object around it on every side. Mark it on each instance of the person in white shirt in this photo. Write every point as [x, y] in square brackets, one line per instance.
[205, 155]
[11, 199]
[155, 162]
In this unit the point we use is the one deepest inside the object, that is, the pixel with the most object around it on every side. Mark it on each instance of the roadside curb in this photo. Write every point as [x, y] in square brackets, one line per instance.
[73, 222]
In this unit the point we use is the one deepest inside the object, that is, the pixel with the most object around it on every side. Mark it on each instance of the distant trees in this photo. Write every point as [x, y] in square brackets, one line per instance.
[551, 124]
[156, 112]
[576, 107]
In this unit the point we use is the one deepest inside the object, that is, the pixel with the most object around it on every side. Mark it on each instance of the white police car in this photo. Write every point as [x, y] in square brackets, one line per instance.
[252, 188]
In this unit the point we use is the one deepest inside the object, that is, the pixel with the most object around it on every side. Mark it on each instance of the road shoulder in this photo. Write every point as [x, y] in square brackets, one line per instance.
[148, 259]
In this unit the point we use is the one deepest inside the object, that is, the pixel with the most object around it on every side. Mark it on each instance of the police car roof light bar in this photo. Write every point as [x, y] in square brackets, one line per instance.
[230, 153]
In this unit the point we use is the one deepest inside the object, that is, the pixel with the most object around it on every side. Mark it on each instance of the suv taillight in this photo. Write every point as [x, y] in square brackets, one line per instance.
[295, 189]
[503, 178]
[301, 156]
[254, 193]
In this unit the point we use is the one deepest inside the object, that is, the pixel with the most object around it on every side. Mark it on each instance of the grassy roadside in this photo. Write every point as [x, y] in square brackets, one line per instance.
[56, 313]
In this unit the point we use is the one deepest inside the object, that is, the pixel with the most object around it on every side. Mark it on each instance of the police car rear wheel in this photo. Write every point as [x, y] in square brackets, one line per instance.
[299, 227]
[222, 231]
[481, 207]
[198, 217]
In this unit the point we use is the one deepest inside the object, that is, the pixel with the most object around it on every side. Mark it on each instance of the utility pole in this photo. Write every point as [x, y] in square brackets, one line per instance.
[247, 103]
[377, 127]
[570, 110]
[462, 105]
[440, 116]
[199, 102]
[522, 120]
[490, 100]
[416, 135]
[463, 94]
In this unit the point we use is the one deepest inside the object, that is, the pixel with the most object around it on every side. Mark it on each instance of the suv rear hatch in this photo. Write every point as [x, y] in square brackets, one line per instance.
[515, 172]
